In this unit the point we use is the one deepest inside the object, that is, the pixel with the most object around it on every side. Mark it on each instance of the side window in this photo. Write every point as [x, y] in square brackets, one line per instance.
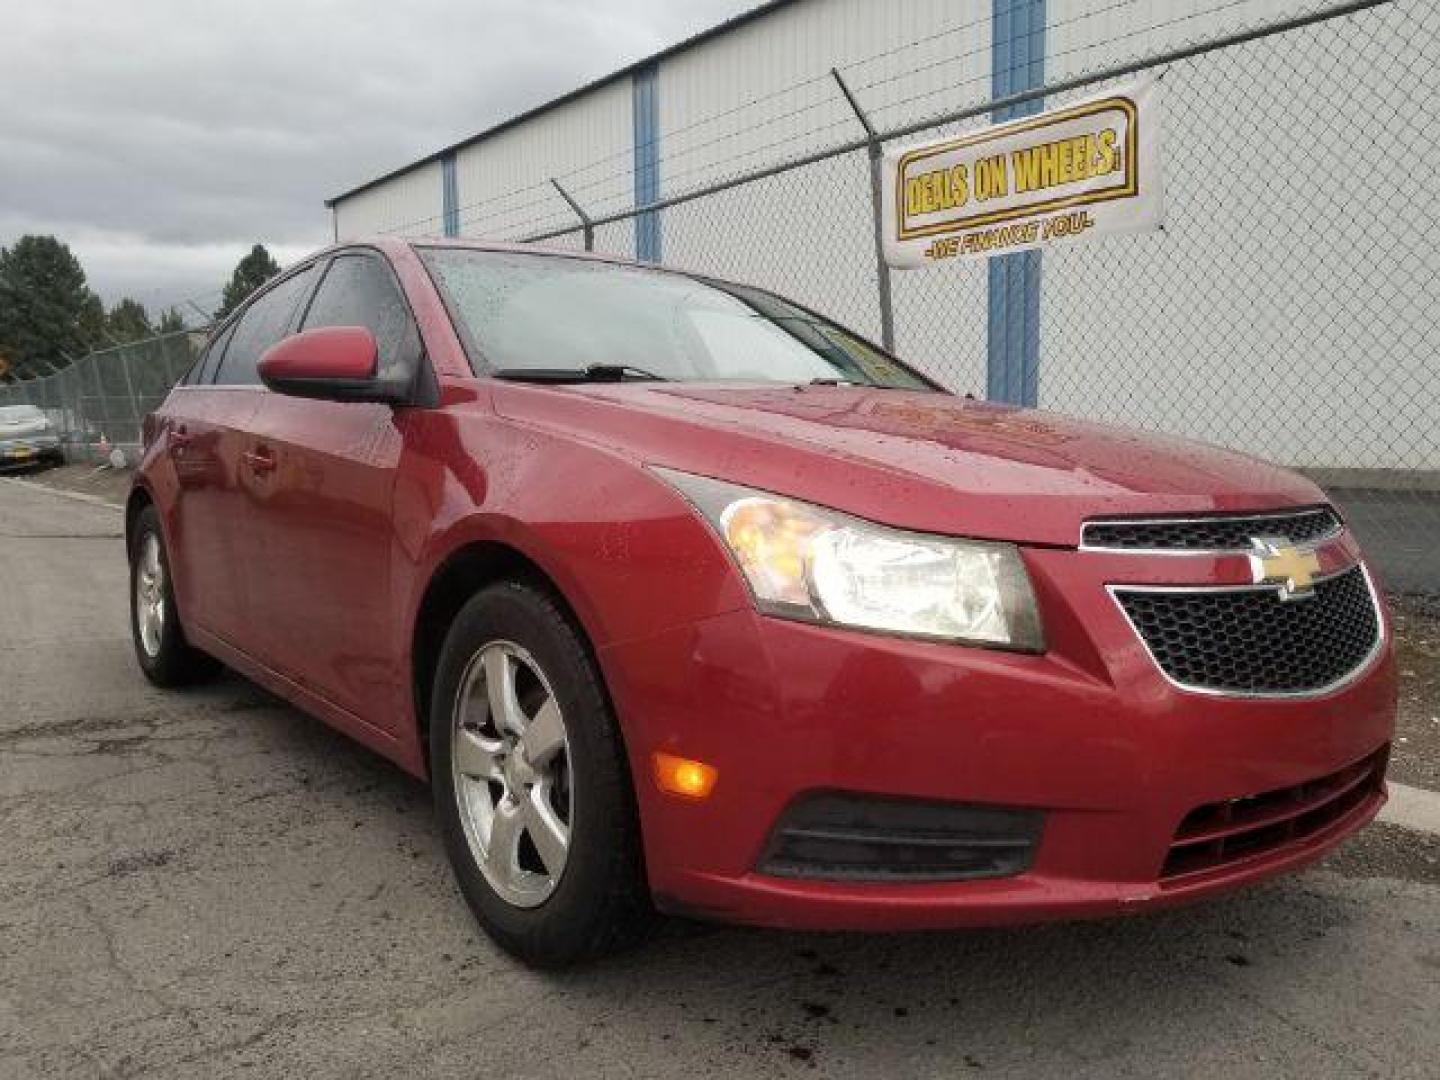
[193, 374]
[358, 291]
[204, 369]
[264, 323]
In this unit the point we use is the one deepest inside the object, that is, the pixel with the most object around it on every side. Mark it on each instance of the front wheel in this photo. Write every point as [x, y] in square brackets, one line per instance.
[530, 783]
[166, 658]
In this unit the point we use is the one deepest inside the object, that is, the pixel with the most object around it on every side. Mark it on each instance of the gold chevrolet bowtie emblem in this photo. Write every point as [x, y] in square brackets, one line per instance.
[1276, 561]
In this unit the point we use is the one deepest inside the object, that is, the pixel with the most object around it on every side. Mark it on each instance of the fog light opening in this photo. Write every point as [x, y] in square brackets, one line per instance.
[683, 776]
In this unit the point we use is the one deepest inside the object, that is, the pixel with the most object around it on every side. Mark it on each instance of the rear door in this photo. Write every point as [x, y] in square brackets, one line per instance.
[210, 433]
[323, 520]
[202, 560]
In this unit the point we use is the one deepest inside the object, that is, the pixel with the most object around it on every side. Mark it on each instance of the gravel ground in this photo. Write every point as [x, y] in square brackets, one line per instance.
[1415, 754]
[1385, 850]
[100, 481]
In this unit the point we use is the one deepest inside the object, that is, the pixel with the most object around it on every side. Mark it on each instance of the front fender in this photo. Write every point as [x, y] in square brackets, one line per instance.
[624, 549]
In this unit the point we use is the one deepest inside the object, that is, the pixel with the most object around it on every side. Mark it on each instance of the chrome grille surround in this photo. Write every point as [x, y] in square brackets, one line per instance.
[1153, 649]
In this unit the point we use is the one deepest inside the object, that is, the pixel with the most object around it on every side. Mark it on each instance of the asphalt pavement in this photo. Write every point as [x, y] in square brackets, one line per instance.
[211, 884]
[1398, 531]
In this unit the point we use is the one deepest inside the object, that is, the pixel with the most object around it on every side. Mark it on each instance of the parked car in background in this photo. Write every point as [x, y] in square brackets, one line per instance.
[27, 437]
[687, 599]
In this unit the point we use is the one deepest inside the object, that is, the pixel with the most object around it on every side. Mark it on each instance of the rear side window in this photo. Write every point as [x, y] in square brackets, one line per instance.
[264, 323]
[204, 369]
[358, 290]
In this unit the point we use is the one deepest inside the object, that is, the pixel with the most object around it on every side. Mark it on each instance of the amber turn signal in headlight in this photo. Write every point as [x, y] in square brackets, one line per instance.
[682, 776]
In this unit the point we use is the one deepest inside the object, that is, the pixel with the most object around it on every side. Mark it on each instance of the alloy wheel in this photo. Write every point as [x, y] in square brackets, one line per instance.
[150, 595]
[510, 760]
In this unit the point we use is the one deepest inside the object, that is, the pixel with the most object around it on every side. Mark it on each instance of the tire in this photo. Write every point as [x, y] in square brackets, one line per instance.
[165, 657]
[573, 786]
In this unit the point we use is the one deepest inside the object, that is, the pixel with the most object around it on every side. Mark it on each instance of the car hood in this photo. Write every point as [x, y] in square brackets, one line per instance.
[924, 461]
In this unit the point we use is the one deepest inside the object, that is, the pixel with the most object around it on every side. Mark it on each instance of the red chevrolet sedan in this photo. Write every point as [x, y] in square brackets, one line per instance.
[687, 599]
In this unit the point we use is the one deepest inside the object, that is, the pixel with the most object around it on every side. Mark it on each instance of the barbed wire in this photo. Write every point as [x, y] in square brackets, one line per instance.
[618, 184]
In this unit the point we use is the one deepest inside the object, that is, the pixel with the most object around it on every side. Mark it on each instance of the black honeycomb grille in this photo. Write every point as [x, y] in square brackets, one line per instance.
[1251, 641]
[1232, 533]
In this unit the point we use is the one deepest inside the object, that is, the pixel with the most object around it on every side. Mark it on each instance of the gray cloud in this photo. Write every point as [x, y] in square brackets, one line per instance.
[160, 138]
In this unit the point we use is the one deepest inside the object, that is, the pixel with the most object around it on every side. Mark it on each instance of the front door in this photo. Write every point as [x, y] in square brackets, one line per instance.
[209, 438]
[323, 512]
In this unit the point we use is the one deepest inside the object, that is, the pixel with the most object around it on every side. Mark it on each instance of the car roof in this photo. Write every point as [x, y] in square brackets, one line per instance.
[394, 245]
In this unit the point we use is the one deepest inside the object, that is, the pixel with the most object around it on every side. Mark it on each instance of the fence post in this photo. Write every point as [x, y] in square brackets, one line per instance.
[102, 407]
[585, 223]
[64, 384]
[124, 357]
[877, 205]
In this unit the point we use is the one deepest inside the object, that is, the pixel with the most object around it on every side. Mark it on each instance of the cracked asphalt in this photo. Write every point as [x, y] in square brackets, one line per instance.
[211, 884]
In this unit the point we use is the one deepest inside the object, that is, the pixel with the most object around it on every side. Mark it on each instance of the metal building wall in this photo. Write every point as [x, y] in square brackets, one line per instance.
[1088, 34]
[906, 59]
[1074, 331]
[763, 93]
[408, 203]
[504, 180]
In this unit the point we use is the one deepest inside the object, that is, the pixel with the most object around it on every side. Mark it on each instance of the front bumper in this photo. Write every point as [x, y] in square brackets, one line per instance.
[1091, 734]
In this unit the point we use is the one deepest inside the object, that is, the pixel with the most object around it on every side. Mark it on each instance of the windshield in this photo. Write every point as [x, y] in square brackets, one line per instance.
[15, 414]
[523, 312]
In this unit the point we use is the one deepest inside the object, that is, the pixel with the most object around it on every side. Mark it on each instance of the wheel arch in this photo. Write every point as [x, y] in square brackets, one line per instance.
[463, 573]
[135, 504]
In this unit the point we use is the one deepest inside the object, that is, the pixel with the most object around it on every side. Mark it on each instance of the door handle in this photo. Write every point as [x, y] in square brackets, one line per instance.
[260, 461]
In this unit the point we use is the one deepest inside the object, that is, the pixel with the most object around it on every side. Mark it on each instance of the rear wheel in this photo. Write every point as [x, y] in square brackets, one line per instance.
[530, 783]
[166, 658]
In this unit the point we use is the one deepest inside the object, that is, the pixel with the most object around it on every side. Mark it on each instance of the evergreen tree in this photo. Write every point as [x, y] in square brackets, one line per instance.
[128, 321]
[48, 315]
[92, 323]
[251, 272]
[171, 322]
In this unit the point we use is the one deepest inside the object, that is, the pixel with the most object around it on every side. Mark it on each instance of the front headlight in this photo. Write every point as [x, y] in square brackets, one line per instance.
[805, 562]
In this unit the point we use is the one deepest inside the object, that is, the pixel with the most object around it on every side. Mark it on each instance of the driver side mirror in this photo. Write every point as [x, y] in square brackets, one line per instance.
[330, 363]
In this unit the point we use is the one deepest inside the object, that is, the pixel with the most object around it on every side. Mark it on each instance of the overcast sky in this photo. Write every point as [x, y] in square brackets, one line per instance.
[161, 138]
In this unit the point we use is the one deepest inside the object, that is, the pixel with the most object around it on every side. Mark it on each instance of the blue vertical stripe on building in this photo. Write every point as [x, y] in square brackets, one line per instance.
[1017, 62]
[449, 196]
[646, 117]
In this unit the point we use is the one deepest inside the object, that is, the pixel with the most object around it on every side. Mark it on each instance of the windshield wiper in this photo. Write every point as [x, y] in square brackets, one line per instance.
[618, 372]
[589, 373]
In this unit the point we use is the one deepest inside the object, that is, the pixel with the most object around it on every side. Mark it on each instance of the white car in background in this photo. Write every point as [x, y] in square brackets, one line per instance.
[27, 437]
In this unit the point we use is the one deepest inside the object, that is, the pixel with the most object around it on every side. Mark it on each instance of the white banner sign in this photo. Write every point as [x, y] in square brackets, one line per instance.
[1073, 173]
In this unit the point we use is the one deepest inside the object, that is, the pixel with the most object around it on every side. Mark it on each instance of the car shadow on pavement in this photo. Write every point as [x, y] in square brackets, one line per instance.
[331, 872]
[977, 997]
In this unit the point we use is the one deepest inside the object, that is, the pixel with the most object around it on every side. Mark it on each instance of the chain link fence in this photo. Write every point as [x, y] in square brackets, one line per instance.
[104, 397]
[1282, 310]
